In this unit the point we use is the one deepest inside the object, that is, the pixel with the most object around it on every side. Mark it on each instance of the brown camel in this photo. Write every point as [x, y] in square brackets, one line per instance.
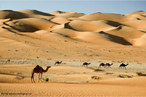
[86, 64]
[38, 69]
[102, 65]
[108, 65]
[58, 62]
[8, 61]
[123, 65]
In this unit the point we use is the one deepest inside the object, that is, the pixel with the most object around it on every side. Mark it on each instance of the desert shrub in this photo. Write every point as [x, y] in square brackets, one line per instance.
[109, 73]
[98, 70]
[19, 77]
[125, 76]
[140, 74]
[95, 77]
[46, 79]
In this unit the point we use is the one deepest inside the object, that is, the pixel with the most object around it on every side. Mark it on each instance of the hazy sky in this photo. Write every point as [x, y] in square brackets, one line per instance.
[83, 6]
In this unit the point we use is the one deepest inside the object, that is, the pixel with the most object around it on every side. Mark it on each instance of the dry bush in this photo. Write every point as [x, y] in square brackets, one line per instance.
[96, 77]
[109, 73]
[125, 76]
[140, 74]
[98, 70]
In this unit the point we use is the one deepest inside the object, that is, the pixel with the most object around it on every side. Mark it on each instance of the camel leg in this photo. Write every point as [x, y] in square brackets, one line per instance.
[41, 75]
[32, 78]
[38, 77]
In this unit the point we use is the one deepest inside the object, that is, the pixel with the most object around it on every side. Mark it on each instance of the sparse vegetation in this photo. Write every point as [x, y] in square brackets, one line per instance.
[96, 77]
[140, 74]
[98, 70]
[125, 76]
[19, 77]
[46, 79]
[108, 73]
[49, 59]
[66, 36]
[65, 41]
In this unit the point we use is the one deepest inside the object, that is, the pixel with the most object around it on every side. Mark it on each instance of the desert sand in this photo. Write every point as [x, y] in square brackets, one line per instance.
[30, 37]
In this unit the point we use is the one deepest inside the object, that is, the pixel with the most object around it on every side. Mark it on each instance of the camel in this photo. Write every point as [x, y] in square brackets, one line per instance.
[108, 65]
[86, 64]
[102, 65]
[38, 69]
[123, 65]
[58, 62]
[8, 61]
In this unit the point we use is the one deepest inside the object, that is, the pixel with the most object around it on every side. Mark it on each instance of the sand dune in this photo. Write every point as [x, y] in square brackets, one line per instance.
[30, 37]
[92, 26]
[60, 20]
[124, 26]
[35, 12]
[28, 25]
[93, 33]
[139, 15]
[12, 14]
[70, 14]
[103, 16]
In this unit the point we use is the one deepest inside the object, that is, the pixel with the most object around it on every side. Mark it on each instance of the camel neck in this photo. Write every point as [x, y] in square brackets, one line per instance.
[46, 69]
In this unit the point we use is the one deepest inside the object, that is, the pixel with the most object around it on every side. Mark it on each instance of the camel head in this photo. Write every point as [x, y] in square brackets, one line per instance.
[48, 66]
[89, 63]
[47, 69]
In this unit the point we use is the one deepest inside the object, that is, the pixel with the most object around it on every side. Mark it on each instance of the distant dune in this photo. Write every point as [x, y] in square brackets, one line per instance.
[46, 35]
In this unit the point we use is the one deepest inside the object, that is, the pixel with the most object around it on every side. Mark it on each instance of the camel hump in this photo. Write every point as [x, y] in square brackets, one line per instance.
[37, 68]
